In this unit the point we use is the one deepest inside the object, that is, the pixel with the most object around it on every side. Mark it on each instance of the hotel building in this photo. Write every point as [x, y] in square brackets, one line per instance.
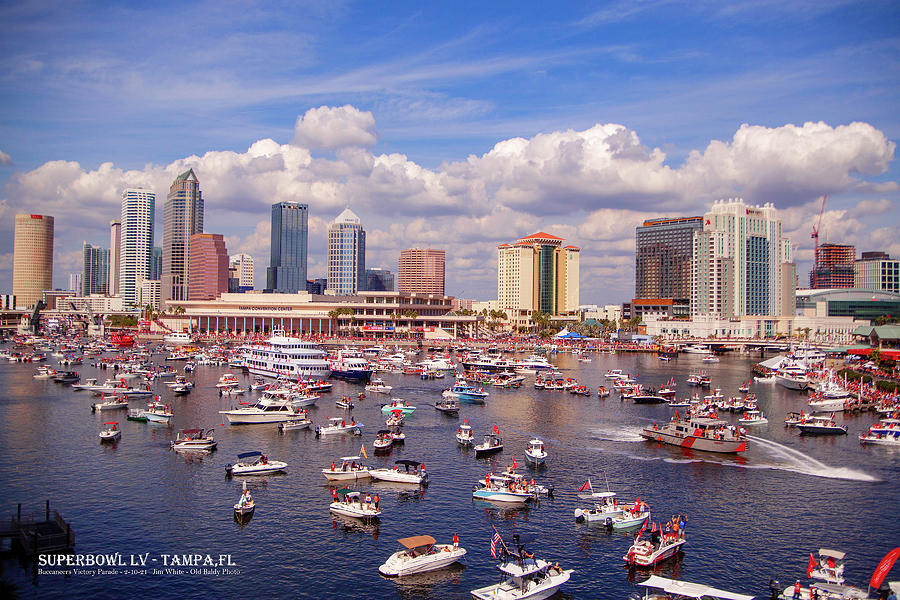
[207, 266]
[421, 271]
[240, 269]
[182, 218]
[287, 263]
[663, 257]
[834, 267]
[94, 270]
[537, 272]
[346, 254]
[32, 258]
[877, 271]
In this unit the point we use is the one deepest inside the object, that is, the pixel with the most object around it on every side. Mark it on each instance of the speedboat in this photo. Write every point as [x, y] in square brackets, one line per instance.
[753, 417]
[350, 469]
[339, 425]
[536, 453]
[821, 425]
[244, 508]
[157, 412]
[464, 435]
[401, 405]
[66, 376]
[344, 402]
[492, 444]
[300, 421]
[227, 380]
[883, 439]
[349, 503]
[271, 408]
[466, 392]
[629, 519]
[448, 406]
[384, 440]
[377, 386]
[45, 372]
[524, 576]
[414, 473]
[662, 588]
[111, 432]
[419, 554]
[110, 403]
[660, 547]
[502, 488]
[194, 440]
[255, 463]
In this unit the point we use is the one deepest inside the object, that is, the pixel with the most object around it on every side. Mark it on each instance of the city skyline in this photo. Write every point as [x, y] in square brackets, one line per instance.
[470, 131]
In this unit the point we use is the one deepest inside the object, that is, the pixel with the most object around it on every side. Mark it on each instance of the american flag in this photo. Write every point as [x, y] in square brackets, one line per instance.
[494, 541]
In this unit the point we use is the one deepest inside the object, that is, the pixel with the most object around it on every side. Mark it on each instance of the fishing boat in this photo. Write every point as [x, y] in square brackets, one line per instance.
[349, 503]
[629, 519]
[111, 432]
[829, 567]
[821, 425]
[535, 453]
[338, 426]
[491, 444]
[662, 588]
[377, 386]
[414, 472]
[697, 433]
[660, 547]
[464, 435]
[111, 402]
[402, 405]
[350, 469]
[194, 440]
[524, 575]
[384, 440]
[605, 507]
[753, 417]
[448, 406]
[245, 506]
[419, 554]
[254, 463]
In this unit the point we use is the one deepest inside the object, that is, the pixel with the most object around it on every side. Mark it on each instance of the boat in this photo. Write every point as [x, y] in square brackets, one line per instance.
[710, 358]
[647, 553]
[285, 356]
[829, 567]
[821, 425]
[535, 453]
[402, 405]
[302, 421]
[649, 397]
[465, 391]
[662, 588]
[414, 473]
[503, 488]
[271, 408]
[384, 440]
[698, 433]
[419, 554]
[228, 380]
[605, 507]
[492, 444]
[344, 402]
[524, 575]
[110, 402]
[244, 508]
[254, 463]
[752, 417]
[66, 376]
[614, 374]
[351, 366]
[464, 435]
[448, 406]
[349, 503]
[45, 372]
[629, 519]
[696, 349]
[111, 432]
[136, 414]
[792, 375]
[819, 403]
[377, 386]
[879, 438]
[178, 338]
[194, 440]
[395, 419]
[157, 412]
[744, 388]
[350, 469]
[339, 425]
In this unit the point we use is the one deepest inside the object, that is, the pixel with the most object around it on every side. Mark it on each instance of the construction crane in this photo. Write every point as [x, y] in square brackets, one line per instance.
[815, 236]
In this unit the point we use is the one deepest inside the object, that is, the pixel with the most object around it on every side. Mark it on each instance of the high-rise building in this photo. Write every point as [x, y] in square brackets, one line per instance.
[115, 253]
[95, 270]
[317, 286]
[75, 282]
[136, 242]
[208, 266]
[346, 254]
[287, 263]
[240, 273]
[148, 294]
[421, 271]
[833, 267]
[742, 265]
[380, 280]
[663, 251]
[156, 262]
[538, 273]
[877, 271]
[32, 258]
[182, 218]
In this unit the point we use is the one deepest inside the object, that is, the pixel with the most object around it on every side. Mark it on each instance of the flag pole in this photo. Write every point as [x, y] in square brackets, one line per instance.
[501, 540]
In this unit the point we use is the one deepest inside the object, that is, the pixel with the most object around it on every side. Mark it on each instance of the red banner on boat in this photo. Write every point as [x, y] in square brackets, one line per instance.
[496, 430]
[883, 567]
[586, 486]
[811, 565]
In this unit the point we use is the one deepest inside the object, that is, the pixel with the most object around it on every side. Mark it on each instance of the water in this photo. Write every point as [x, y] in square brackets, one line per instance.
[751, 517]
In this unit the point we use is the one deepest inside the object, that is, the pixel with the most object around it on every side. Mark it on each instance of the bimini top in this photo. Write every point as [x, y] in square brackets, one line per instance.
[690, 590]
[417, 541]
[249, 454]
[408, 463]
[835, 554]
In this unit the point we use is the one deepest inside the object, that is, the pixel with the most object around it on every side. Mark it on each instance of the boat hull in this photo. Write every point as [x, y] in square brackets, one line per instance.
[694, 442]
[352, 375]
[445, 555]
[503, 591]
[827, 405]
[239, 417]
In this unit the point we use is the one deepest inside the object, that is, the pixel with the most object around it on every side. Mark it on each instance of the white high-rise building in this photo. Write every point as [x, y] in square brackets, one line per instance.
[741, 263]
[243, 268]
[115, 253]
[136, 245]
[346, 254]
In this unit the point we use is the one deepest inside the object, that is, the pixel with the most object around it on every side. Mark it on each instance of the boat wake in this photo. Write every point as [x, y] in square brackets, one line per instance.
[618, 434]
[798, 462]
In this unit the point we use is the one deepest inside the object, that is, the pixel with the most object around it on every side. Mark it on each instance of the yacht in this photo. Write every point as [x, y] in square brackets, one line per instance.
[271, 408]
[286, 356]
[177, 338]
[792, 376]
[351, 366]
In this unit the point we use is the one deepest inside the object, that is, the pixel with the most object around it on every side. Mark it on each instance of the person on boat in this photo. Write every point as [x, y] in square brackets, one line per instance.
[456, 539]
[797, 589]
[334, 495]
[265, 459]
[376, 500]
[368, 502]
[332, 465]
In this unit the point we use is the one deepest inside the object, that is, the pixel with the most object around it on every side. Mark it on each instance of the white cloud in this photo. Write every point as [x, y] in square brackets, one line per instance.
[5, 159]
[331, 127]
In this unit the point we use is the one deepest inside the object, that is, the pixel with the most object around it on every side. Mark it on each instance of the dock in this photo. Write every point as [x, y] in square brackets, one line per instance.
[38, 534]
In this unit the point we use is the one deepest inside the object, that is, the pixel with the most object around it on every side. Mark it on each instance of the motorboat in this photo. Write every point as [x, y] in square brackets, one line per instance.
[605, 507]
[829, 567]
[464, 435]
[339, 425]
[344, 402]
[271, 408]
[697, 433]
[111, 402]
[744, 388]
[630, 519]
[752, 417]
[710, 358]
[228, 380]
[819, 403]
[377, 386]
[245, 506]
[232, 391]
[45, 372]
[66, 376]
[821, 425]
[535, 453]
[466, 392]
[414, 472]
[647, 553]
[792, 376]
[350, 469]
[384, 440]
[178, 338]
[395, 419]
[402, 405]
[157, 412]
[503, 488]
[419, 554]
[255, 463]
[194, 440]
[883, 439]
[524, 575]
[136, 414]
[351, 366]
[111, 432]
[662, 588]
[614, 374]
[397, 436]
[349, 503]
[448, 406]
[491, 444]
[302, 421]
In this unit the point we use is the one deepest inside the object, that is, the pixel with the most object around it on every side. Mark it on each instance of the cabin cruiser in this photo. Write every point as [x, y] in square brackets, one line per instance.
[349, 503]
[698, 433]
[377, 386]
[414, 473]
[536, 453]
[110, 402]
[792, 376]
[339, 425]
[524, 575]
[349, 469]
[194, 440]
[351, 366]
[821, 425]
[819, 403]
[255, 463]
[420, 554]
[492, 444]
[662, 588]
[271, 408]
[286, 356]
[111, 432]
[535, 361]
[177, 338]
[647, 553]
[464, 435]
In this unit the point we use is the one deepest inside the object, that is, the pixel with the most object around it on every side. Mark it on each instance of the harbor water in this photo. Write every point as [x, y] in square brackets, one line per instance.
[750, 518]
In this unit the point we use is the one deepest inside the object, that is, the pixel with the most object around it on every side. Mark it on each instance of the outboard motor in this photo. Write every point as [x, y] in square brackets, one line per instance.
[609, 522]
[774, 588]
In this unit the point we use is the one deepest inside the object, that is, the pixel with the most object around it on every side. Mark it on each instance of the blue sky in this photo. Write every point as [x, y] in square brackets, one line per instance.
[458, 126]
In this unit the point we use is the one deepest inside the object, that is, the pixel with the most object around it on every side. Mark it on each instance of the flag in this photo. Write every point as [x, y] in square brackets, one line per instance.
[811, 565]
[515, 466]
[586, 486]
[643, 527]
[883, 567]
[363, 451]
[494, 541]
[465, 420]
[496, 430]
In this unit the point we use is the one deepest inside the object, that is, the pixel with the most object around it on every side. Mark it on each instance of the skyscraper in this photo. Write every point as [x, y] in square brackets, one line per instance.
[537, 273]
[95, 270]
[421, 271]
[741, 263]
[182, 218]
[287, 263]
[207, 267]
[346, 254]
[115, 253]
[32, 258]
[156, 262]
[833, 267]
[662, 262]
[379, 280]
[75, 282]
[878, 271]
[240, 267]
[136, 242]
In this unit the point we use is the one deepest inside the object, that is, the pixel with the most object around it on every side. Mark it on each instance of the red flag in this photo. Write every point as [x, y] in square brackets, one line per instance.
[465, 420]
[496, 430]
[883, 567]
[811, 565]
[586, 486]
[515, 466]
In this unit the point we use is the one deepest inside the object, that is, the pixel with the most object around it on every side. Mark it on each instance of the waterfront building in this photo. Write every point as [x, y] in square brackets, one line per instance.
[240, 273]
[421, 270]
[835, 330]
[663, 258]
[56, 299]
[537, 272]
[148, 294]
[98, 304]
[182, 218]
[115, 253]
[382, 280]
[94, 270]
[207, 266]
[136, 241]
[862, 304]
[346, 254]
[742, 264]
[288, 244]
[877, 271]
[32, 258]
[75, 283]
[833, 267]
[156, 262]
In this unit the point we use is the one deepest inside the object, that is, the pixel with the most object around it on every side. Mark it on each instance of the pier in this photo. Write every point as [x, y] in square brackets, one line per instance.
[37, 534]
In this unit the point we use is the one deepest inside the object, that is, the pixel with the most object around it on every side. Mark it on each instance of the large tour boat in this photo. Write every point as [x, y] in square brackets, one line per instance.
[285, 356]
[698, 433]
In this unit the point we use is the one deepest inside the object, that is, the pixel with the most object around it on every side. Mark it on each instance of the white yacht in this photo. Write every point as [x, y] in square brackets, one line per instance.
[178, 338]
[268, 409]
[286, 356]
[792, 376]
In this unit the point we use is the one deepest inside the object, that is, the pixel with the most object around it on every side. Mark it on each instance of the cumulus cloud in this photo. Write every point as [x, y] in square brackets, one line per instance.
[331, 127]
[5, 159]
